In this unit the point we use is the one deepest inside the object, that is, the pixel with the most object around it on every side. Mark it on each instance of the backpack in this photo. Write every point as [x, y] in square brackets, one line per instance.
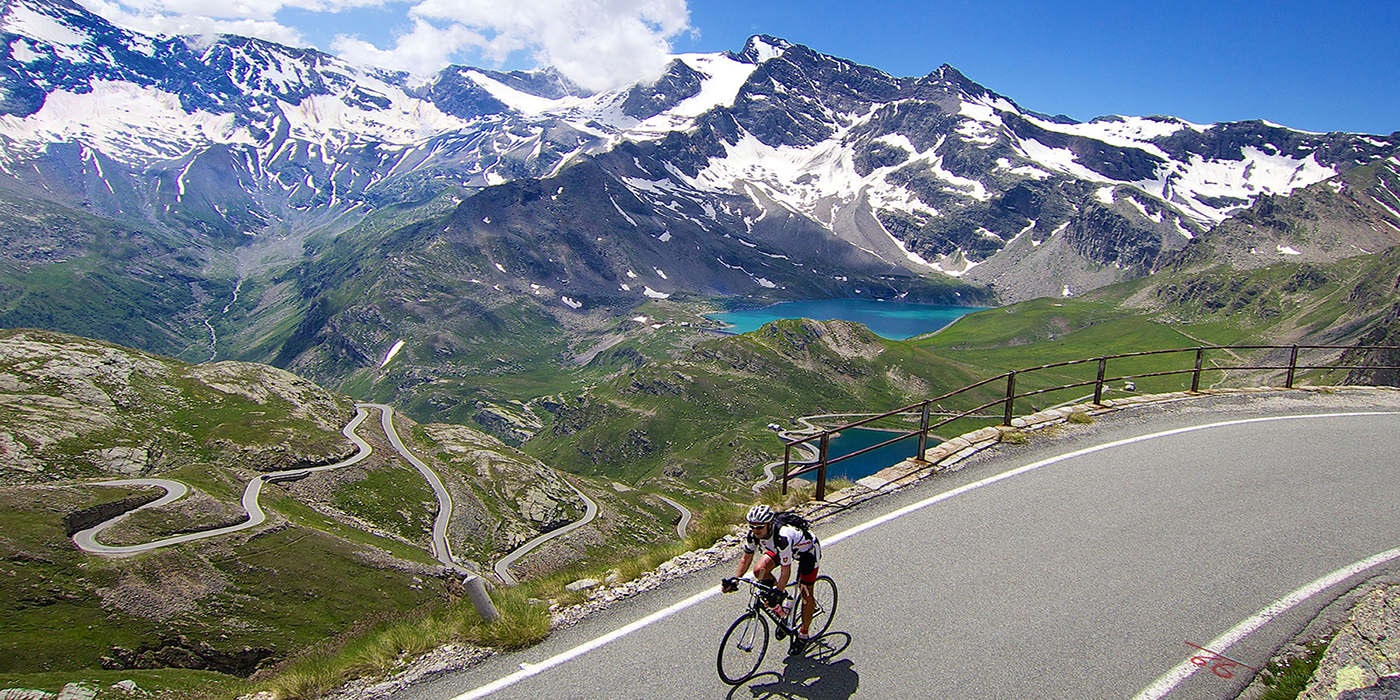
[793, 519]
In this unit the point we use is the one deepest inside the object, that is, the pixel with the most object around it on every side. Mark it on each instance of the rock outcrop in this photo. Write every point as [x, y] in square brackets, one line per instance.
[1364, 652]
[73, 407]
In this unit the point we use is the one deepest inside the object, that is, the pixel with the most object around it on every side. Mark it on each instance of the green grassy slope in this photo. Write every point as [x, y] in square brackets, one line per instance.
[702, 418]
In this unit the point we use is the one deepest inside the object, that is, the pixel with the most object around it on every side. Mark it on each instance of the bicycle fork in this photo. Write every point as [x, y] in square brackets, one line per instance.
[749, 638]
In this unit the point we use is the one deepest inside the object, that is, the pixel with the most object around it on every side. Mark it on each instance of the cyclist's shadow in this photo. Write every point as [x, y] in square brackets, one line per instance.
[815, 675]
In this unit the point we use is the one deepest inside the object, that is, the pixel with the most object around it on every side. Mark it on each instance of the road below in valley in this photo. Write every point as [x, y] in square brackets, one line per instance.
[589, 513]
[87, 539]
[442, 549]
[684, 523]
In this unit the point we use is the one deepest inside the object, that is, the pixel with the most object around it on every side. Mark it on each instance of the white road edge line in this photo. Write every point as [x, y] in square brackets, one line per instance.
[528, 670]
[1174, 677]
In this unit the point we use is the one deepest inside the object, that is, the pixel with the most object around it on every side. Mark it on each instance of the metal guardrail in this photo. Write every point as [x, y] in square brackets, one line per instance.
[1007, 400]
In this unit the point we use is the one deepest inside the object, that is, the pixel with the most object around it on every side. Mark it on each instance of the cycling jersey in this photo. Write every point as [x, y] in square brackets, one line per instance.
[785, 542]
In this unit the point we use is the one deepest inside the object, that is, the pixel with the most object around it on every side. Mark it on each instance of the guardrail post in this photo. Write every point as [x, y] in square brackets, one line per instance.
[1098, 385]
[787, 465]
[1196, 375]
[1010, 397]
[821, 466]
[923, 432]
[476, 593]
[1292, 367]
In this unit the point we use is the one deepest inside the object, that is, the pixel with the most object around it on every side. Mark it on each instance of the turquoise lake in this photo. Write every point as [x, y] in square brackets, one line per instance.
[888, 319]
[860, 467]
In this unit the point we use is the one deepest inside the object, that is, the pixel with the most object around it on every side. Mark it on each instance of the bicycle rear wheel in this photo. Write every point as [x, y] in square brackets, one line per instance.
[824, 590]
[742, 648]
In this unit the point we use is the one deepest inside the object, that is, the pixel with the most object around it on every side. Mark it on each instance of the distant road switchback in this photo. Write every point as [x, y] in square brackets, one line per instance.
[87, 539]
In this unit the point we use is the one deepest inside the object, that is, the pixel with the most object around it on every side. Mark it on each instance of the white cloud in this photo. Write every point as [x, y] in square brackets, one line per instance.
[599, 44]
[172, 18]
[424, 50]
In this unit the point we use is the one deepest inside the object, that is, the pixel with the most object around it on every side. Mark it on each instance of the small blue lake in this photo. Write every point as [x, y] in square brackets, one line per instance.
[860, 467]
[888, 319]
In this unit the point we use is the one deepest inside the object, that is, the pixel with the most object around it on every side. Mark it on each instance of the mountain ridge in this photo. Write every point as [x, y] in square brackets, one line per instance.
[284, 109]
[312, 213]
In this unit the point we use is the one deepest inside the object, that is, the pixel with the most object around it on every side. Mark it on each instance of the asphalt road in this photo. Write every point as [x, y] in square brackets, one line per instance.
[87, 539]
[1082, 565]
[590, 511]
[442, 549]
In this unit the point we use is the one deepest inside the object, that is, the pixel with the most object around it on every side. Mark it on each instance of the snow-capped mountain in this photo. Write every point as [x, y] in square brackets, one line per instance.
[233, 138]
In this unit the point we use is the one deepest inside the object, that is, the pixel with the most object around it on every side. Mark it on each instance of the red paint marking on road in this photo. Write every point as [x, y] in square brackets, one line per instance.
[1220, 664]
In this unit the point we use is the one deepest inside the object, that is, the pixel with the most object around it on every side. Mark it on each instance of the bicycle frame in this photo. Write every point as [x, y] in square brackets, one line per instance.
[756, 592]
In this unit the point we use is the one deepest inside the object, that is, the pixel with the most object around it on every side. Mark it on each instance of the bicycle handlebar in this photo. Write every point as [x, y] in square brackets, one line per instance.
[751, 582]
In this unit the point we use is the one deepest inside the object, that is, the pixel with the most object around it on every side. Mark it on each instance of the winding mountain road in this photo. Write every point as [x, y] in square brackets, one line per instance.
[502, 567]
[684, 523]
[1091, 563]
[442, 549]
[87, 539]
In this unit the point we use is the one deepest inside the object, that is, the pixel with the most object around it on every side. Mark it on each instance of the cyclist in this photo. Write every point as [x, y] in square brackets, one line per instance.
[776, 546]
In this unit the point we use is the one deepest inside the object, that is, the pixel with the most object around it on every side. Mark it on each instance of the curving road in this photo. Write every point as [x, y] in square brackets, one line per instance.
[1077, 566]
[590, 512]
[87, 539]
[442, 550]
[684, 523]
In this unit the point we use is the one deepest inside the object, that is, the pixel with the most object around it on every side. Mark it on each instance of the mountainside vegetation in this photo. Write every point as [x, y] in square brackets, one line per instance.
[345, 551]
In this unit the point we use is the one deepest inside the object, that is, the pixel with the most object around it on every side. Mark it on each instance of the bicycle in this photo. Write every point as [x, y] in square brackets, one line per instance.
[743, 646]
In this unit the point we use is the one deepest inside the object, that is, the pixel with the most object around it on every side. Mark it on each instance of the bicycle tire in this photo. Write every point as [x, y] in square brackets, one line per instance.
[740, 654]
[824, 590]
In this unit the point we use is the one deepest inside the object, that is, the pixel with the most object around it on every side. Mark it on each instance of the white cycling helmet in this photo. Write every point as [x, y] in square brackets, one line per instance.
[760, 515]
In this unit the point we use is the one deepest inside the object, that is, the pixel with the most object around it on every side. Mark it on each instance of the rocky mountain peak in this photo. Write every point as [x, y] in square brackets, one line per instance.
[761, 47]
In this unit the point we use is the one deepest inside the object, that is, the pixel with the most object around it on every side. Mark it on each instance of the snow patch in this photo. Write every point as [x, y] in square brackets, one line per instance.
[1029, 171]
[392, 352]
[24, 21]
[765, 51]
[723, 78]
[19, 50]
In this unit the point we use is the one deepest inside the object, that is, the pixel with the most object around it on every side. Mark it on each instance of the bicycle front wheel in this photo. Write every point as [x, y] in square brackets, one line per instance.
[824, 590]
[742, 648]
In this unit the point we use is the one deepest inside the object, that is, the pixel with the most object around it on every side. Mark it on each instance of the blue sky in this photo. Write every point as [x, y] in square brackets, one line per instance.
[1308, 65]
